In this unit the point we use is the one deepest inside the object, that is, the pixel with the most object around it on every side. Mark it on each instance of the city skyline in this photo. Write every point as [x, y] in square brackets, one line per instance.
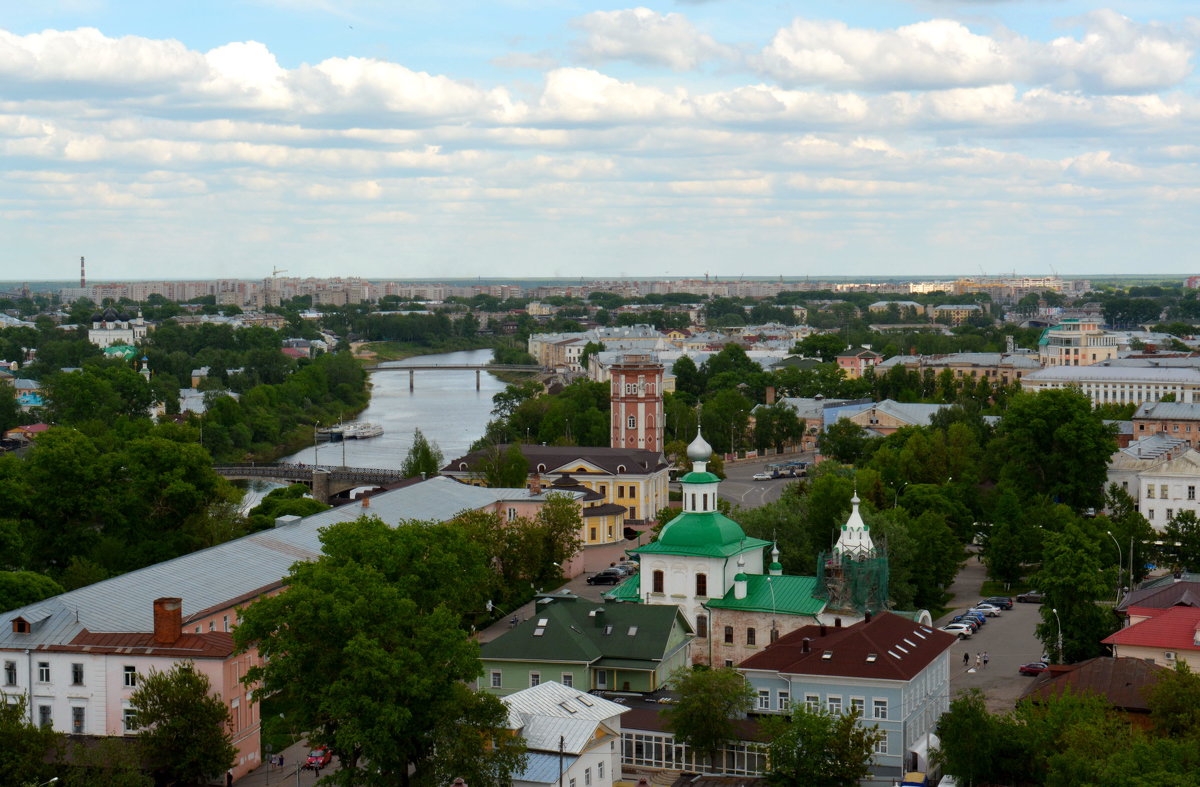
[561, 140]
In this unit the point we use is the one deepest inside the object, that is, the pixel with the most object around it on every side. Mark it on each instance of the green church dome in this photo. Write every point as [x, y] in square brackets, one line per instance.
[701, 529]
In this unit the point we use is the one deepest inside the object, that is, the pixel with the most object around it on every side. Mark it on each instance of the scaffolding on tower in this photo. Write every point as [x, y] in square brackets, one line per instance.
[853, 583]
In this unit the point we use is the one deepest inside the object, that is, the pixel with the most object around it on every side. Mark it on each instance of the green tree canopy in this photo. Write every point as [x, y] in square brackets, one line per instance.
[424, 458]
[708, 702]
[814, 747]
[183, 729]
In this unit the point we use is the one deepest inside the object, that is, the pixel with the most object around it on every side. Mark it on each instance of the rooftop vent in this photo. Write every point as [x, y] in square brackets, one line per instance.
[871, 657]
[543, 621]
[910, 643]
[827, 654]
[894, 655]
[537, 632]
[608, 629]
[565, 706]
[633, 631]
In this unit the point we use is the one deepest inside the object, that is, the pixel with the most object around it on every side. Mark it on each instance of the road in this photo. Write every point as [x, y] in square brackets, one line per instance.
[1008, 640]
[740, 488]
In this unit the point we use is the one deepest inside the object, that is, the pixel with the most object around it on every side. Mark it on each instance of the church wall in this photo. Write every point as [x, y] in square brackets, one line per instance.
[715, 652]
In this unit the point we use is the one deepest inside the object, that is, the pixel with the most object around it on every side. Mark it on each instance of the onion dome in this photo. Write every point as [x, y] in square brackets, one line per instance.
[699, 450]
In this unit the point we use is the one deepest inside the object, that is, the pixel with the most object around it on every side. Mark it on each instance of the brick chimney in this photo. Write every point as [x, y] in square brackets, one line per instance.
[535, 484]
[168, 620]
[366, 502]
[770, 394]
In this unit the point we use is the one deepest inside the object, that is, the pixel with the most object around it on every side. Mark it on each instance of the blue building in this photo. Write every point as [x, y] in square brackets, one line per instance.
[892, 669]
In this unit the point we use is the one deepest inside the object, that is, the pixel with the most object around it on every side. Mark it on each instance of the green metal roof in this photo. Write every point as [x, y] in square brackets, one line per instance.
[629, 590]
[709, 534]
[572, 634]
[626, 664]
[792, 596]
[700, 478]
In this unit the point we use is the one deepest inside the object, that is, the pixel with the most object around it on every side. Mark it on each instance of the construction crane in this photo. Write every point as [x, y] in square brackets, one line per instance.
[276, 271]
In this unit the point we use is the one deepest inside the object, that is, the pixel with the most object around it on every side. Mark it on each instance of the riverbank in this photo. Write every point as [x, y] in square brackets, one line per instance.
[377, 352]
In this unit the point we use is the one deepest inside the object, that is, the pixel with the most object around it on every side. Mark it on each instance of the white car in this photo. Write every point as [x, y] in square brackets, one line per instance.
[987, 609]
[763, 476]
[962, 630]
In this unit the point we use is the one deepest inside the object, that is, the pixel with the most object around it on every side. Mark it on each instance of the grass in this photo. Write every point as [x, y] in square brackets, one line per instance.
[398, 351]
[994, 587]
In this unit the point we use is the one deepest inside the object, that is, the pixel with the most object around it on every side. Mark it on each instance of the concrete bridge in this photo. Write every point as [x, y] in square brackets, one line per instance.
[478, 368]
[327, 482]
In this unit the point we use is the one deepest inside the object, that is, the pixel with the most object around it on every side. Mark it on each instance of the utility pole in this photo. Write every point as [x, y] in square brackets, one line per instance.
[562, 742]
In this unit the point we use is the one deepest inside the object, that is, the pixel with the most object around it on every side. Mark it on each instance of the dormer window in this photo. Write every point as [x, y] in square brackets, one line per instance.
[20, 626]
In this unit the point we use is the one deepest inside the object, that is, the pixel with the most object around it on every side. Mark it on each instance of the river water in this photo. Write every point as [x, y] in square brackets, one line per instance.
[443, 404]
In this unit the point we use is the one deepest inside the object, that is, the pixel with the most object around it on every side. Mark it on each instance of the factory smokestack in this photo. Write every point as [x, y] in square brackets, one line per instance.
[82, 277]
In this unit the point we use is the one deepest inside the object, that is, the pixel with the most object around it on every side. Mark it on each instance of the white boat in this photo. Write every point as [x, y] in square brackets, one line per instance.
[361, 430]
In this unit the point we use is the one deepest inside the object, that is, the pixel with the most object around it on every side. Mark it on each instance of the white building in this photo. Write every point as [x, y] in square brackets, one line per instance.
[112, 327]
[1120, 384]
[572, 737]
[1170, 488]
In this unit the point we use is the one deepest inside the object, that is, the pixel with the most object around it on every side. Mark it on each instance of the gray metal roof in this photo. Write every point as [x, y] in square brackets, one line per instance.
[1098, 373]
[544, 767]
[1169, 411]
[216, 575]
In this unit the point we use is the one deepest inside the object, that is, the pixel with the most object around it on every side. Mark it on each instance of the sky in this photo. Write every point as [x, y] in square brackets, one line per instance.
[555, 138]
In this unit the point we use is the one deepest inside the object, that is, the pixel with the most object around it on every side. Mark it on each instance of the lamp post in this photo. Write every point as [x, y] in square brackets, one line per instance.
[1060, 645]
[1120, 564]
[896, 497]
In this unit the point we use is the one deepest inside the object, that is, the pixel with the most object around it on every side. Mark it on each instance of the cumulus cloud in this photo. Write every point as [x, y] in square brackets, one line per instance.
[644, 36]
[1114, 55]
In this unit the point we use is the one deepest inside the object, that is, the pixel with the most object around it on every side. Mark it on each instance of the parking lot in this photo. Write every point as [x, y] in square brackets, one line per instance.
[1008, 640]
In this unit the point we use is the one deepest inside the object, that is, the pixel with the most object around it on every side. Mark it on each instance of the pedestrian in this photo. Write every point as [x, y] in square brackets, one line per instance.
[281, 761]
[978, 659]
[985, 658]
[229, 778]
[966, 660]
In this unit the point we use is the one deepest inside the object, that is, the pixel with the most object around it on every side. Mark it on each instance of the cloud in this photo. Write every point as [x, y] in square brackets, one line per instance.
[1114, 55]
[643, 36]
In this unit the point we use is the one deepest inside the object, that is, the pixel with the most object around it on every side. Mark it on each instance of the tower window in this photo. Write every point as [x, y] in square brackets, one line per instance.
[751, 637]
[631, 422]
[729, 635]
[701, 625]
[702, 584]
[658, 582]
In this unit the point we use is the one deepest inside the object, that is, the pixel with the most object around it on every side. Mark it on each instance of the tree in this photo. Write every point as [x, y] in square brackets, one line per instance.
[709, 701]
[976, 747]
[377, 676]
[1073, 580]
[182, 727]
[1184, 529]
[18, 588]
[589, 349]
[1052, 443]
[424, 458]
[503, 467]
[815, 747]
[687, 377]
[843, 441]
[1175, 703]
[825, 346]
[29, 750]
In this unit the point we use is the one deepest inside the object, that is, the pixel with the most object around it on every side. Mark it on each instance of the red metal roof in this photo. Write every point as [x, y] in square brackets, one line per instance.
[901, 649]
[1120, 681]
[1171, 629]
[210, 645]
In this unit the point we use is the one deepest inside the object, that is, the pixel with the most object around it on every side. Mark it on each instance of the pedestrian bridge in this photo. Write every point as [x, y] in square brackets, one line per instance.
[478, 368]
[327, 482]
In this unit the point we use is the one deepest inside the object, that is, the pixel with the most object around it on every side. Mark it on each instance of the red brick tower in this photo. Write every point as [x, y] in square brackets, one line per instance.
[637, 403]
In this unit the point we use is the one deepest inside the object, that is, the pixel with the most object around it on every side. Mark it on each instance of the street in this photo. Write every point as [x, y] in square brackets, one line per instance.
[740, 488]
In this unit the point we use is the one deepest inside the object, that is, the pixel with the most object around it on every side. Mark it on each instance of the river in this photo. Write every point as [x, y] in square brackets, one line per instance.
[443, 404]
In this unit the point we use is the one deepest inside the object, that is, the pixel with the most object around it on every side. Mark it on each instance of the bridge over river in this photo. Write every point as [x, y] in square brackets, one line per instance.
[450, 367]
[326, 481]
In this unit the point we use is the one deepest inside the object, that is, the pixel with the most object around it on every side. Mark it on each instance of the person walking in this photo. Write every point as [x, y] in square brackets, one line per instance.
[978, 660]
[966, 660]
[985, 658]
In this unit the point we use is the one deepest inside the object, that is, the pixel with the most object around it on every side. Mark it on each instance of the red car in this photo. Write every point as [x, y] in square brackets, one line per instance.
[1033, 668]
[318, 758]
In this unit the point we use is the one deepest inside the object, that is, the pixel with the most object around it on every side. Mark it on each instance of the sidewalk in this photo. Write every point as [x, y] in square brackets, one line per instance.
[289, 775]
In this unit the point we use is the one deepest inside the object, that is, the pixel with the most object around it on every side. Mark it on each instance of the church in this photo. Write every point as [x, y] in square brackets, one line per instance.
[737, 603]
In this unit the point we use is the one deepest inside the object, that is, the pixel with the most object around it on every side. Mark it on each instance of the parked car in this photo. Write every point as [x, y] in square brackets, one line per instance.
[1004, 602]
[626, 569]
[988, 609]
[609, 576]
[978, 617]
[1030, 597]
[763, 475]
[1033, 668]
[968, 620]
[318, 758]
[961, 630]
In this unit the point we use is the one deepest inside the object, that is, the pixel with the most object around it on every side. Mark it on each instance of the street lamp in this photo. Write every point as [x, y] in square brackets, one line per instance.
[1060, 647]
[1120, 563]
[896, 497]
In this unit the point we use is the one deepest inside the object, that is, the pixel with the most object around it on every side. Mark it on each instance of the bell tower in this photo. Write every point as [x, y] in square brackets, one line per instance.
[636, 402]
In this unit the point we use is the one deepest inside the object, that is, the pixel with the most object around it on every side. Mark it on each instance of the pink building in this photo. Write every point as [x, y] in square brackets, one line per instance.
[636, 402]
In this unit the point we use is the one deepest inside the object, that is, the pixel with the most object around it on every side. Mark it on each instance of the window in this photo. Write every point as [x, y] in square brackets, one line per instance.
[881, 746]
[860, 705]
[785, 700]
[1150, 514]
[212, 625]
[764, 699]
[592, 534]
[587, 776]
[729, 635]
[702, 584]
[77, 720]
[10, 673]
[572, 783]
[1150, 491]
[512, 515]
[880, 709]
[774, 634]
[44, 719]
[812, 701]
[43, 672]
[728, 662]
[835, 705]
[658, 582]
[1170, 513]
[705, 499]
[702, 625]
[600, 770]
[535, 679]
[633, 512]
[130, 719]
[76, 674]
[750, 637]
[130, 676]
[1162, 491]
[225, 622]
[497, 679]
[620, 490]
[1191, 493]
[631, 422]
[568, 679]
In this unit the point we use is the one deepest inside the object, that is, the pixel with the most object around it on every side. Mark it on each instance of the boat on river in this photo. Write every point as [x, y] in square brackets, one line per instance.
[352, 430]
